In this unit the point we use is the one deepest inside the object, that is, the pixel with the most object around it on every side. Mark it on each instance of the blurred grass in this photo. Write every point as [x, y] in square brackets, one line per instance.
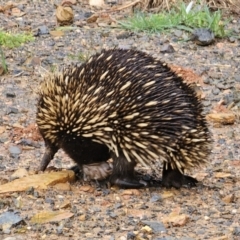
[12, 40]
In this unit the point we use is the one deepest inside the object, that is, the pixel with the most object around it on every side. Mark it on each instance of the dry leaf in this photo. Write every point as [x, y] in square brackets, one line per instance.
[63, 186]
[66, 204]
[222, 118]
[228, 199]
[86, 188]
[1, 70]
[131, 192]
[222, 175]
[39, 181]
[167, 194]
[64, 15]
[93, 18]
[56, 33]
[45, 217]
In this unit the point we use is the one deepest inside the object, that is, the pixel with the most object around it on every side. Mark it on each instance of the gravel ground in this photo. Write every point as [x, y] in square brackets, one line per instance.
[209, 211]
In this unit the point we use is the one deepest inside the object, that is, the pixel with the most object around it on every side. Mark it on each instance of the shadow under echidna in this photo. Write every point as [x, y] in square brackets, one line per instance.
[128, 106]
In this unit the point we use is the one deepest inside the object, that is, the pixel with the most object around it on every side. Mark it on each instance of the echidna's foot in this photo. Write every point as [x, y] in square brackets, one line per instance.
[123, 173]
[128, 183]
[78, 171]
[174, 178]
[189, 181]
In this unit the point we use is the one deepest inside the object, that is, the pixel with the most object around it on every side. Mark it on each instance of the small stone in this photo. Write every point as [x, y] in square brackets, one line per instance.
[215, 91]
[167, 48]
[49, 200]
[12, 110]
[131, 236]
[10, 94]
[14, 151]
[178, 33]
[236, 231]
[155, 198]
[43, 30]
[82, 217]
[237, 78]
[232, 39]
[206, 217]
[157, 227]
[206, 80]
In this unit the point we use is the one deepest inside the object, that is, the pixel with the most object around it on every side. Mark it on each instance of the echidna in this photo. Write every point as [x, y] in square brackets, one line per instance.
[128, 106]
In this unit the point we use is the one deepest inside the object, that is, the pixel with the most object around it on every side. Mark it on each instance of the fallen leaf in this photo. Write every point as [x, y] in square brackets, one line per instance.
[1, 70]
[66, 204]
[92, 18]
[131, 192]
[47, 216]
[87, 188]
[228, 199]
[64, 15]
[39, 181]
[167, 194]
[222, 175]
[63, 186]
[187, 74]
[222, 118]
[56, 33]
[200, 175]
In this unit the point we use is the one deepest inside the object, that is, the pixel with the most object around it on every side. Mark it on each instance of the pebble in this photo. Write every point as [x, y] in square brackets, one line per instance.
[12, 110]
[237, 78]
[206, 80]
[167, 48]
[215, 91]
[156, 198]
[49, 200]
[236, 231]
[14, 151]
[178, 33]
[43, 30]
[157, 227]
[10, 94]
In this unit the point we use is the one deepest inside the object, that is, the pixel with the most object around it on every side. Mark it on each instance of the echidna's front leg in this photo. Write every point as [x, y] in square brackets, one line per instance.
[174, 178]
[123, 173]
[48, 156]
